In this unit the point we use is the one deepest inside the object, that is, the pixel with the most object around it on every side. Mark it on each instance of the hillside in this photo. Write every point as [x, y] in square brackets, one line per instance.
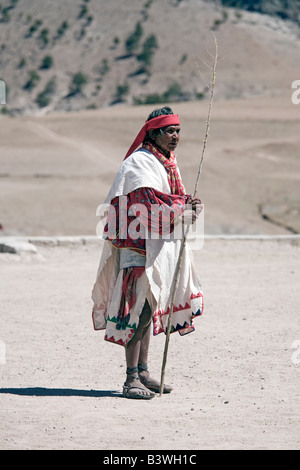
[76, 54]
[286, 9]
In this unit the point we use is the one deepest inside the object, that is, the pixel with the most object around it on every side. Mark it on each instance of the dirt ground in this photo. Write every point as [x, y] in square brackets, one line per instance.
[55, 170]
[235, 379]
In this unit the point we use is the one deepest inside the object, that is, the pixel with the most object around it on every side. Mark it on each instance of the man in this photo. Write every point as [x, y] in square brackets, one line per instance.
[147, 203]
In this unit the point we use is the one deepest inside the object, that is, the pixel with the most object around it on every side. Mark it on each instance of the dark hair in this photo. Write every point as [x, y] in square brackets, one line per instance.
[160, 112]
[155, 113]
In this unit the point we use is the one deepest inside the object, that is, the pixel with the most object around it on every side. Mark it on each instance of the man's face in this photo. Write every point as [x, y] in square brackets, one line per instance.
[168, 140]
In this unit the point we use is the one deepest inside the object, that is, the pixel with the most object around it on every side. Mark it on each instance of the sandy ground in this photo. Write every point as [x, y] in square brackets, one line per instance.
[55, 170]
[235, 379]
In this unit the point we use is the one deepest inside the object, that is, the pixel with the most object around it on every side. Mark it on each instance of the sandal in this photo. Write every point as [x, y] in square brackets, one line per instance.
[136, 391]
[154, 387]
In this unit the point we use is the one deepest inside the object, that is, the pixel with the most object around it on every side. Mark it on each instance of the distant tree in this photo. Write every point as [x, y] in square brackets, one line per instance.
[148, 4]
[62, 29]
[152, 98]
[89, 20]
[104, 67]
[116, 41]
[33, 78]
[151, 42]
[147, 52]
[22, 63]
[5, 16]
[122, 91]
[44, 98]
[33, 28]
[286, 9]
[183, 58]
[133, 40]
[50, 86]
[83, 11]
[77, 83]
[47, 62]
[43, 36]
[173, 92]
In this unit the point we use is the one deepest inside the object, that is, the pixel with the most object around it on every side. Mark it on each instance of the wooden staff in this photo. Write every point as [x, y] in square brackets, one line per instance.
[183, 244]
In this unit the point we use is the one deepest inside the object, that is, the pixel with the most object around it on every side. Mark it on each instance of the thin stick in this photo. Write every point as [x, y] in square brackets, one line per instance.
[183, 244]
[212, 90]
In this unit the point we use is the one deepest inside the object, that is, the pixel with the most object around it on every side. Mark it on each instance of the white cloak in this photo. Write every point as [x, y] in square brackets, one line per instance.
[143, 169]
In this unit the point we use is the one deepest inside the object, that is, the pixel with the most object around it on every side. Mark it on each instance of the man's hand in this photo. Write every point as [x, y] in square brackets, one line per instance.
[192, 210]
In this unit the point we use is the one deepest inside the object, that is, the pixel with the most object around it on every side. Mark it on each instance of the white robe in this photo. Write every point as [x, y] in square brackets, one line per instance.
[143, 169]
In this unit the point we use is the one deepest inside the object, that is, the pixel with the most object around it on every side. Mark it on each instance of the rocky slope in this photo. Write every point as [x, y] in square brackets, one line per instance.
[80, 54]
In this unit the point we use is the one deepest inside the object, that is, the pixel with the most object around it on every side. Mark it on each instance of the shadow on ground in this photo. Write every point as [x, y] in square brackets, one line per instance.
[60, 392]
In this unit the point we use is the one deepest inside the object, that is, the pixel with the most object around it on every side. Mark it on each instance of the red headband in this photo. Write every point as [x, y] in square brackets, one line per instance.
[155, 123]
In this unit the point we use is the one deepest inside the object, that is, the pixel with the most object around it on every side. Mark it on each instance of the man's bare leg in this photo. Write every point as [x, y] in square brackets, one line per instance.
[144, 375]
[136, 351]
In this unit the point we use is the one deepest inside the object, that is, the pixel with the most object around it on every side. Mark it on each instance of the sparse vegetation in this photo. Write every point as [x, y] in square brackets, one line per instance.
[151, 98]
[122, 91]
[285, 9]
[133, 40]
[146, 8]
[183, 59]
[44, 36]
[173, 93]
[83, 14]
[199, 95]
[5, 16]
[89, 20]
[22, 63]
[43, 99]
[126, 59]
[83, 11]
[50, 86]
[146, 55]
[77, 83]
[238, 15]
[103, 68]
[33, 28]
[62, 29]
[47, 62]
[5, 12]
[81, 34]
[33, 78]
[220, 21]
[116, 41]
